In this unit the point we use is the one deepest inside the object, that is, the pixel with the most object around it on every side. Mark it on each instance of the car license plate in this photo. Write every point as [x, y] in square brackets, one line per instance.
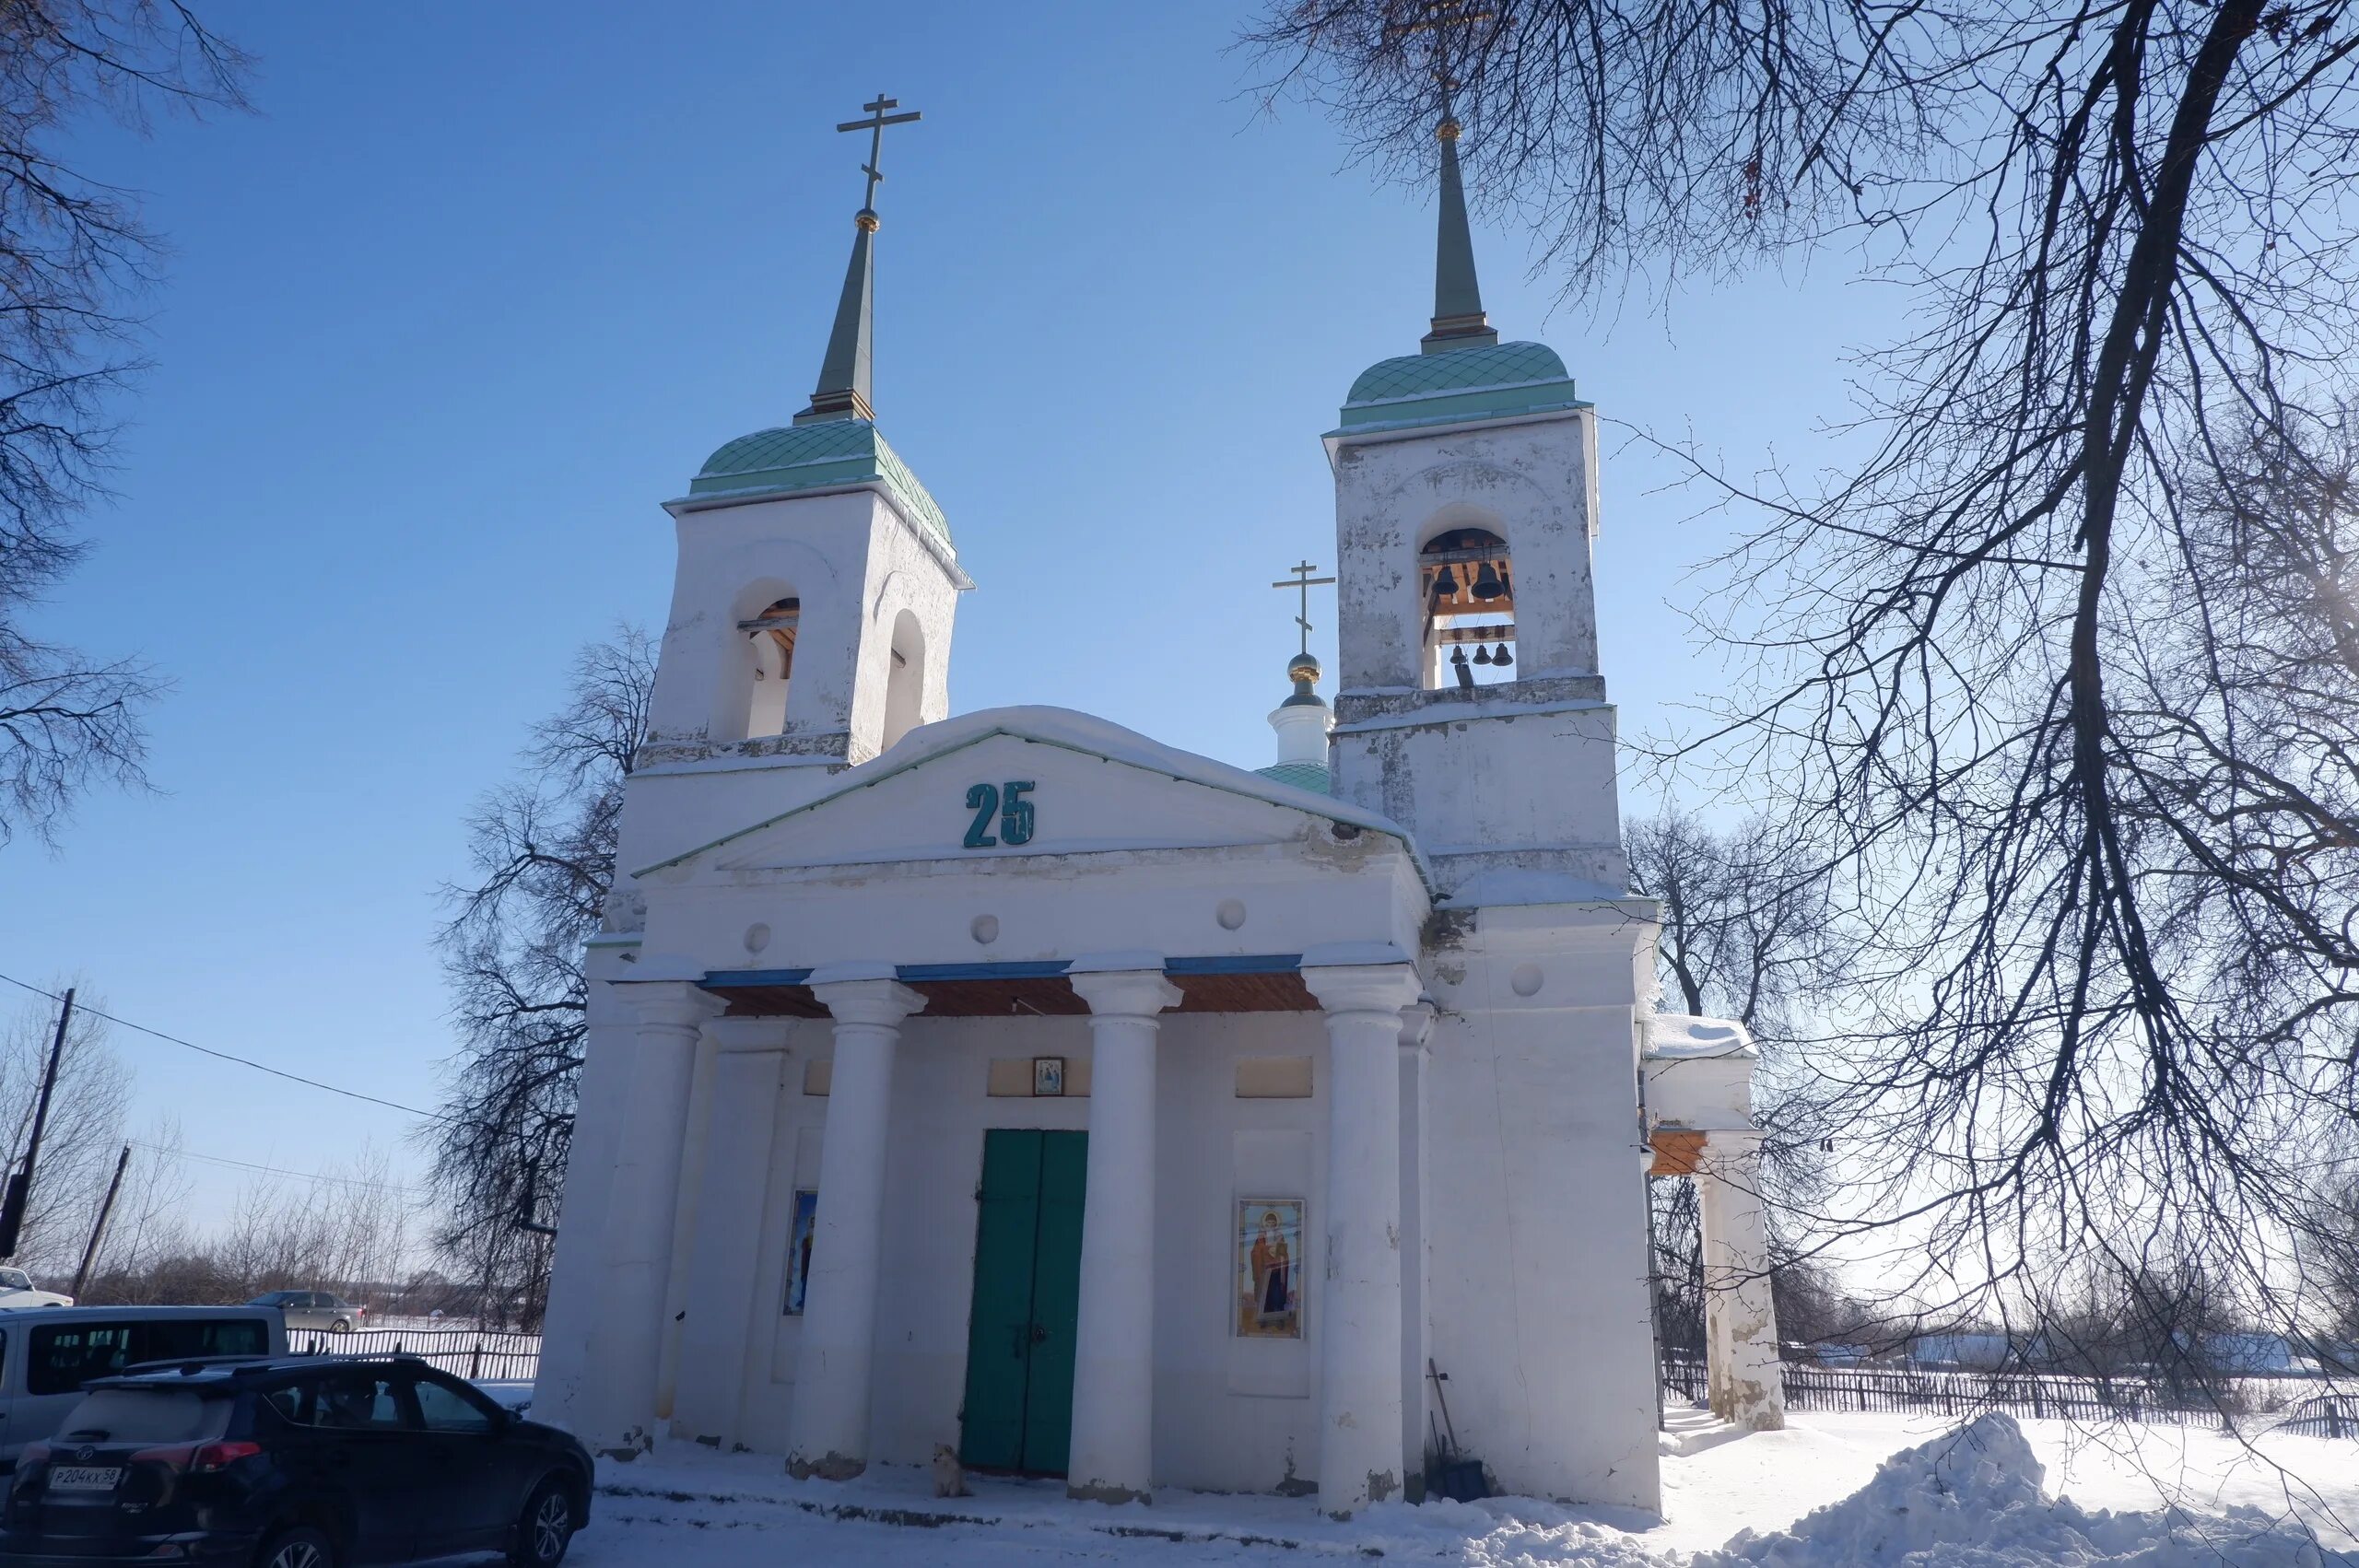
[83, 1478]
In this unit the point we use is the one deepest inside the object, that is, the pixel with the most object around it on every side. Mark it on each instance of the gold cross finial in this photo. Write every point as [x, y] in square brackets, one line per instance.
[1305, 583]
[874, 125]
[1440, 19]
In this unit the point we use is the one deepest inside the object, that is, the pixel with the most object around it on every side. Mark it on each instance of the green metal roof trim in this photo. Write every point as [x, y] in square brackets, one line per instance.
[1311, 776]
[817, 456]
[1465, 384]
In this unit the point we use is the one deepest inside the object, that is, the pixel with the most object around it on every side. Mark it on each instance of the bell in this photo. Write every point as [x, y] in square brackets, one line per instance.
[1445, 585]
[1482, 654]
[1503, 658]
[1487, 585]
[1458, 654]
[1464, 672]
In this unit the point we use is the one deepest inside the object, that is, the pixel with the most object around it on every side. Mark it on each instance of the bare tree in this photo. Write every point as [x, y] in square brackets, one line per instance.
[2058, 668]
[85, 1131]
[72, 254]
[544, 854]
[1746, 934]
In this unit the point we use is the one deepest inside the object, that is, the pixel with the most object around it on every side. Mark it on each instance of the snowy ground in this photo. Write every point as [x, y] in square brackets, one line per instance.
[1944, 1502]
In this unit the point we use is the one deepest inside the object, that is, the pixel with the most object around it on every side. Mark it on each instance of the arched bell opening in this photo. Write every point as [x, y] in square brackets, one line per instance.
[1469, 595]
[904, 680]
[768, 650]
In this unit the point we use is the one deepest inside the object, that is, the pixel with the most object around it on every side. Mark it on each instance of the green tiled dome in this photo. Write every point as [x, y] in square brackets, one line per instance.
[1464, 383]
[1311, 776]
[820, 455]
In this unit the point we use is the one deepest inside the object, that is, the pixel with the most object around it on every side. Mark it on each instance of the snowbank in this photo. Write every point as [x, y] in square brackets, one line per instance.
[1972, 1499]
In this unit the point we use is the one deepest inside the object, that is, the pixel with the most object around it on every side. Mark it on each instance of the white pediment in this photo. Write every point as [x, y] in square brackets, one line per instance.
[1013, 782]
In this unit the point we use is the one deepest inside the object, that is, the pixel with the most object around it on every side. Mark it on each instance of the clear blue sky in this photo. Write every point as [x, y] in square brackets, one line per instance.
[480, 286]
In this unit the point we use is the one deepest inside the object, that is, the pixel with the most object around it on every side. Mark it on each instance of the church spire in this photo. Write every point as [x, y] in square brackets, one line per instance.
[846, 389]
[1459, 321]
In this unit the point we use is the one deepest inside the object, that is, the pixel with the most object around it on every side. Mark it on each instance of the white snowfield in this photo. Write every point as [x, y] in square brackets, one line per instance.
[1831, 1490]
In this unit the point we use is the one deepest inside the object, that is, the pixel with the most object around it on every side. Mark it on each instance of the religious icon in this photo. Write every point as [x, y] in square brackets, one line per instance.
[1269, 1268]
[798, 1250]
[1048, 1076]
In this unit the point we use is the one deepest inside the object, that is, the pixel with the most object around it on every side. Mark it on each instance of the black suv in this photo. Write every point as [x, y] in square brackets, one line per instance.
[293, 1462]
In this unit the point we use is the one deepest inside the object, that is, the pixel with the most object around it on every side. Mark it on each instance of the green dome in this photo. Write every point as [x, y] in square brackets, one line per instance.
[1463, 383]
[824, 455]
[1311, 776]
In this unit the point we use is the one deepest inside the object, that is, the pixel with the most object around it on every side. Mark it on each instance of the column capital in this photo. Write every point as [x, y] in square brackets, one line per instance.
[878, 1001]
[671, 1004]
[1417, 1022]
[1135, 990]
[1362, 987]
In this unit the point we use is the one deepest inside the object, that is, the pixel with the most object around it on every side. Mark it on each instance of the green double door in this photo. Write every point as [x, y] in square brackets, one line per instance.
[1027, 1300]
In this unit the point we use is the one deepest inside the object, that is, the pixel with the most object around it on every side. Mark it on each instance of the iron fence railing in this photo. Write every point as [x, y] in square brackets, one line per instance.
[2331, 1413]
[474, 1354]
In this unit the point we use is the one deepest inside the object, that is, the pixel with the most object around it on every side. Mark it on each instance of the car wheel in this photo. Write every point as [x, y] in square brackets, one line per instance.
[546, 1527]
[340, 1327]
[299, 1546]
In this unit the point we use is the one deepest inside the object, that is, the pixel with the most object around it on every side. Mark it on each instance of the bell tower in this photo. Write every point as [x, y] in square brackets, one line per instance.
[1470, 708]
[814, 597]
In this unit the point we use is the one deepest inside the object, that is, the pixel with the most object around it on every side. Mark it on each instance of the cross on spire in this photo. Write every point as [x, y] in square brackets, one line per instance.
[874, 125]
[1301, 579]
[846, 380]
[1459, 321]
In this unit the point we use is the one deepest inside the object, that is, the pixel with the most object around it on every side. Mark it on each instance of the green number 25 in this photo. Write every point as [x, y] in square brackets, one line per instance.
[1006, 802]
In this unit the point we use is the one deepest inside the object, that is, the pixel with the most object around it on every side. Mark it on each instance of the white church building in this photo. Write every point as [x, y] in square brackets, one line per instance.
[1012, 1083]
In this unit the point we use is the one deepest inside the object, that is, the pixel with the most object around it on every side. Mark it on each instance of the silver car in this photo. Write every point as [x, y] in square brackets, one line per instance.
[315, 1309]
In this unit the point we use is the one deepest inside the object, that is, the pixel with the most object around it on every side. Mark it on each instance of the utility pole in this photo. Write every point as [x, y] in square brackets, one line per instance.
[98, 1230]
[20, 1181]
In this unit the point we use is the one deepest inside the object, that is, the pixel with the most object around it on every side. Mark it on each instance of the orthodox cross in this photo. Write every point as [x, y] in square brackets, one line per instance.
[1305, 583]
[1440, 19]
[874, 125]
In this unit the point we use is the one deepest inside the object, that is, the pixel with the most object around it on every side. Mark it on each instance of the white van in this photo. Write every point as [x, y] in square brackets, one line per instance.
[48, 1352]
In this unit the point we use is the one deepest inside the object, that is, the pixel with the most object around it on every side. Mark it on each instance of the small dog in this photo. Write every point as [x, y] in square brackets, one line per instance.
[949, 1475]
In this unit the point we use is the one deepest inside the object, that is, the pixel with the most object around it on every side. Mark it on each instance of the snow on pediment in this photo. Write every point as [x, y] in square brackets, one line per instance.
[1018, 781]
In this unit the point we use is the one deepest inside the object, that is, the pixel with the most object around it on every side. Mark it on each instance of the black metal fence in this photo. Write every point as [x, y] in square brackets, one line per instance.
[2043, 1395]
[474, 1354]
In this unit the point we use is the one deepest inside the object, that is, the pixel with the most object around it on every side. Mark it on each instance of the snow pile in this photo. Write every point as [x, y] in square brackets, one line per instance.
[1972, 1499]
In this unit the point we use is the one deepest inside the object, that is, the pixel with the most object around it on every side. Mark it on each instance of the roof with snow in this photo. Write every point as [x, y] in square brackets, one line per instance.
[1671, 1034]
[1091, 736]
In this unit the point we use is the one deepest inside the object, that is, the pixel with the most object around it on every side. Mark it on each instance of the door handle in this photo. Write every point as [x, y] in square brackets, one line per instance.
[1040, 1335]
[1017, 1348]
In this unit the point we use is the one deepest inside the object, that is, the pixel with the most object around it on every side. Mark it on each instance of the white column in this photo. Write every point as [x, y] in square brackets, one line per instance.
[1716, 1317]
[1416, 1023]
[650, 1143]
[1113, 1388]
[1360, 1457]
[1736, 1269]
[570, 1389]
[832, 1375]
[726, 1246]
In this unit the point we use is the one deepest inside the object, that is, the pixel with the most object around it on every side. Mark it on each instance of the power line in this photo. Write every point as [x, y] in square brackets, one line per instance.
[166, 1149]
[224, 1056]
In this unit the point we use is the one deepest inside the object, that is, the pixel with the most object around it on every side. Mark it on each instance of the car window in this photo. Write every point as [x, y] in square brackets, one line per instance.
[66, 1355]
[361, 1401]
[181, 1339]
[444, 1408]
[15, 1280]
[148, 1415]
